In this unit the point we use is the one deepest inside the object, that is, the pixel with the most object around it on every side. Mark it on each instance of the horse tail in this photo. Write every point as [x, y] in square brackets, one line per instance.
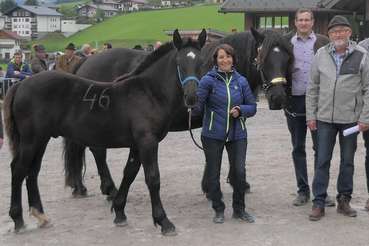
[78, 65]
[74, 162]
[10, 126]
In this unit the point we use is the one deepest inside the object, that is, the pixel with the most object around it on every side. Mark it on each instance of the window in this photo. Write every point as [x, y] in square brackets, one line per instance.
[275, 22]
[7, 55]
[27, 32]
[15, 19]
[27, 19]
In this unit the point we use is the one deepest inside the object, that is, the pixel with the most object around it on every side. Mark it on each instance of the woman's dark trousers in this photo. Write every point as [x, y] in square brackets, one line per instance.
[213, 149]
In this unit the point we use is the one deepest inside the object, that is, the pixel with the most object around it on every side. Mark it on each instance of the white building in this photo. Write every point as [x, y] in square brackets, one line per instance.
[90, 10]
[9, 43]
[33, 21]
[69, 27]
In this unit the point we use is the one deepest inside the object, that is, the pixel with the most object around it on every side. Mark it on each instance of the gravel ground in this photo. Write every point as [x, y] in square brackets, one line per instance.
[88, 221]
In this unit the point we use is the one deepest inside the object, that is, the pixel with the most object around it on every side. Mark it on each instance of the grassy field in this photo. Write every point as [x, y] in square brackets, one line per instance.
[148, 26]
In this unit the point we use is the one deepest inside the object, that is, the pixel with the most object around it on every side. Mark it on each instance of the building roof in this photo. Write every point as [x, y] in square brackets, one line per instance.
[9, 35]
[261, 6]
[37, 10]
[352, 5]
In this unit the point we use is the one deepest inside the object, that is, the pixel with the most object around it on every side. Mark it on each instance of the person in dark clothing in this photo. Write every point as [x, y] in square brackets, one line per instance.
[226, 100]
[305, 44]
[107, 46]
[38, 63]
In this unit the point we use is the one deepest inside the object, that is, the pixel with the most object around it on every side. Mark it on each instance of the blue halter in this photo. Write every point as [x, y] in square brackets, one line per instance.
[183, 82]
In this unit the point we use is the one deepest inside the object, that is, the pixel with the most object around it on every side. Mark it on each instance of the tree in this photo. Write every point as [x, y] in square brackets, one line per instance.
[31, 2]
[7, 5]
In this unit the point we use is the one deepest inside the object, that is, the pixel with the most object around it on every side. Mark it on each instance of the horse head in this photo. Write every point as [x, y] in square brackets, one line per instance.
[274, 62]
[188, 61]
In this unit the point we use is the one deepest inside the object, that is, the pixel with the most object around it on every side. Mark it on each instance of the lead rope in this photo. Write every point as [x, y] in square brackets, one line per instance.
[189, 128]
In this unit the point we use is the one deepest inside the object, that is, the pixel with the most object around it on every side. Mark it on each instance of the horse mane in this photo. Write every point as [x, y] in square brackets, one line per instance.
[156, 55]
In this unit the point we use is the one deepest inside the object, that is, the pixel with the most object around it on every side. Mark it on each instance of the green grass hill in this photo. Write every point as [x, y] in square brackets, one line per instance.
[148, 26]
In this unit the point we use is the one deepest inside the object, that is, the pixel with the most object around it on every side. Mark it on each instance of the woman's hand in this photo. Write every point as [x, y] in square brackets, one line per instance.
[235, 112]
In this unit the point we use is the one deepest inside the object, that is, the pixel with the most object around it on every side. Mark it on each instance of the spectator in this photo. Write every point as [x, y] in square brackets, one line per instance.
[107, 46]
[85, 51]
[157, 45]
[68, 61]
[18, 69]
[39, 63]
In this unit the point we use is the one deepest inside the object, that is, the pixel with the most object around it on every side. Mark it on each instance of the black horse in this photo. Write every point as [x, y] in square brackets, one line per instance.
[133, 112]
[105, 66]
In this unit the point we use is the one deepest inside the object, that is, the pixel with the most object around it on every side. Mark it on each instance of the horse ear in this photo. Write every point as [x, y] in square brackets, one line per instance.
[202, 38]
[177, 40]
[259, 38]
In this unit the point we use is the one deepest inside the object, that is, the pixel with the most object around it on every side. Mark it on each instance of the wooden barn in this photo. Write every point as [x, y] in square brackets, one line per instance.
[280, 14]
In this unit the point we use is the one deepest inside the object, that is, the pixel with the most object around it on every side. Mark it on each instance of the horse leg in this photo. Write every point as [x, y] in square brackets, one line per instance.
[34, 199]
[107, 185]
[148, 153]
[73, 165]
[20, 167]
[130, 173]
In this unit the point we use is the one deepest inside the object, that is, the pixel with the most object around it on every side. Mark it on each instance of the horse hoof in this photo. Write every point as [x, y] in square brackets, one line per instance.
[79, 193]
[45, 225]
[120, 219]
[19, 227]
[120, 223]
[169, 232]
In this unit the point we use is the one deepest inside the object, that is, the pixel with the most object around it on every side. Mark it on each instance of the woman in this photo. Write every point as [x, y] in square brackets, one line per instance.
[226, 100]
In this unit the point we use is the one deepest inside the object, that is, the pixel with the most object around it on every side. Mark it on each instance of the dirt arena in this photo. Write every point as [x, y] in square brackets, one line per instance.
[270, 171]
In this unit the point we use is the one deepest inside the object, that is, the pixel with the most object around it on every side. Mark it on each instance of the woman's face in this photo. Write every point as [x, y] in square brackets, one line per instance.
[224, 61]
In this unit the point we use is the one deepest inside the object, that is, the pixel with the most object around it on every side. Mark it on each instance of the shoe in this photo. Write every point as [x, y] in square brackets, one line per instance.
[244, 216]
[316, 213]
[329, 202]
[218, 218]
[344, 208]
[301, 199]
[367, 205]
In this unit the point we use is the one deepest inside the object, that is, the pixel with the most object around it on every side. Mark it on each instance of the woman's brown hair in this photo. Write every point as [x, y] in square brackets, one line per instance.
[228, 50]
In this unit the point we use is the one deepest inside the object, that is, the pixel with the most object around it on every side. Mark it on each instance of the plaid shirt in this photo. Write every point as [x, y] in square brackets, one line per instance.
[338, 58]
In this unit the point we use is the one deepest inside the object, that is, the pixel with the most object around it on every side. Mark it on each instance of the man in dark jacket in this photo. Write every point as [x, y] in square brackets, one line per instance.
[305, 44]
[38, 63]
